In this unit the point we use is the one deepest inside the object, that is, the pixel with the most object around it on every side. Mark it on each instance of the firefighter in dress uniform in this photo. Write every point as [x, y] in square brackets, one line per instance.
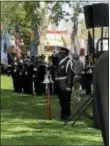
[38, 82]
[64, 72]
[51, 70]
[15, 71]
[28, 77]
[20, 75]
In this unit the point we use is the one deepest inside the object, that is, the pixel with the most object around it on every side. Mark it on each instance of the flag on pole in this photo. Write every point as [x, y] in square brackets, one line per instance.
[17, 45]
[51, 5]
[17, 42]
[75, 28]
[76, 46]
[4, 57]
[34, 38]
[74, 37]
[83, 51]
[5, 44]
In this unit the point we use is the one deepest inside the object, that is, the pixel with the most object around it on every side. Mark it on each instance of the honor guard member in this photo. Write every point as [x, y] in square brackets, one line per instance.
[64, 72]
[86, 77]
[35, 77]
[15, 76]
[41, 68]
[25, 63]
[20, 75]
[35, 74]
[9, 70]
[51, 70]
[88, 71]
[28, 78]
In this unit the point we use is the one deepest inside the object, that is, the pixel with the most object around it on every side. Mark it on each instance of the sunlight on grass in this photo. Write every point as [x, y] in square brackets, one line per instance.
[6, 82]
[23, 122]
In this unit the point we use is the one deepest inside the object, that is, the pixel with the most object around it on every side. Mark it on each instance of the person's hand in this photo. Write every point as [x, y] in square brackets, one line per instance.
[77, 78]
[68, 89]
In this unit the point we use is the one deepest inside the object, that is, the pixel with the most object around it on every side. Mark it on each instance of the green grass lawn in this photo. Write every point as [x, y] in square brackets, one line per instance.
[23, 121]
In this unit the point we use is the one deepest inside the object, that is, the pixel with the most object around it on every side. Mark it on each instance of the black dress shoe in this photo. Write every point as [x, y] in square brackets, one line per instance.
[64, 118]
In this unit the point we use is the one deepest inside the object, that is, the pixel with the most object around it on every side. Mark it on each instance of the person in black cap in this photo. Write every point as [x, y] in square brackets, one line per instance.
[86, 77]
[40, 73]
[64, 72]
[15, 71]
[51, 71]
[28, 77]
[20, 75]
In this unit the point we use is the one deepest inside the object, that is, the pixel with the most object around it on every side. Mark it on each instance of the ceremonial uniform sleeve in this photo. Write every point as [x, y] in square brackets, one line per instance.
[70, 75]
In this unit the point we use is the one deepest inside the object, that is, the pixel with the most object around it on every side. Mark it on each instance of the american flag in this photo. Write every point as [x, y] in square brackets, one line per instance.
[17, 44]
[51, 6]
[74, 37]
[75, 28]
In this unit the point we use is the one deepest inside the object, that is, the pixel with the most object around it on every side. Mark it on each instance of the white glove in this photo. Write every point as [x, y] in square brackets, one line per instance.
[68, 89]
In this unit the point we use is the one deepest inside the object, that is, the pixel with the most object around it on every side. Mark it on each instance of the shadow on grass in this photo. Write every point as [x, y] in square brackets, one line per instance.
[25, 106]
[48, 133]
[38, 140]
[30, 106]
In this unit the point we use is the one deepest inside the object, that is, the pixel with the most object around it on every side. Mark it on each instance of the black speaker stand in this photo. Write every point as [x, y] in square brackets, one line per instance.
[81, 111]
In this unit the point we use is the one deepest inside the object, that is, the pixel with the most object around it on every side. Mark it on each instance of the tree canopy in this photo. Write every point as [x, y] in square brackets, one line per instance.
[26, 14]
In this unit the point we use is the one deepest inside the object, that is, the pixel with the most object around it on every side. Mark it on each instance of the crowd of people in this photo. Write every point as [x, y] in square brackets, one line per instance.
[28, 75]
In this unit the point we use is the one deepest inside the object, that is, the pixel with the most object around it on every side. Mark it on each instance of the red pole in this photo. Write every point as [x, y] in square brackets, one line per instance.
[48, 104]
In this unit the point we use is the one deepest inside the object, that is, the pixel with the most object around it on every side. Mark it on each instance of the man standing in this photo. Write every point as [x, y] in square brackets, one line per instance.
[34, 43]
[82, 56]
[64, 72]
[39, 86]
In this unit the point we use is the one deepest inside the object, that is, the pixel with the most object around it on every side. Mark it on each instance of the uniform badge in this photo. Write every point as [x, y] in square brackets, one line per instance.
[25, 73]
[20, 73]
[14, 70]
[15, 63]
[82, 72]
[62, 66]
[35, 69]
[90, 71]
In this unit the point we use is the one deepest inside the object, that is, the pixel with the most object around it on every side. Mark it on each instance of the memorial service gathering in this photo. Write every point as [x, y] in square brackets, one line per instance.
[54, 73]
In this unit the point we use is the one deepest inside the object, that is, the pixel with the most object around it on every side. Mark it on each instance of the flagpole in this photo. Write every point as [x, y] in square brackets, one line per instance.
[64, 42]
[93, 32]
[101, 39]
